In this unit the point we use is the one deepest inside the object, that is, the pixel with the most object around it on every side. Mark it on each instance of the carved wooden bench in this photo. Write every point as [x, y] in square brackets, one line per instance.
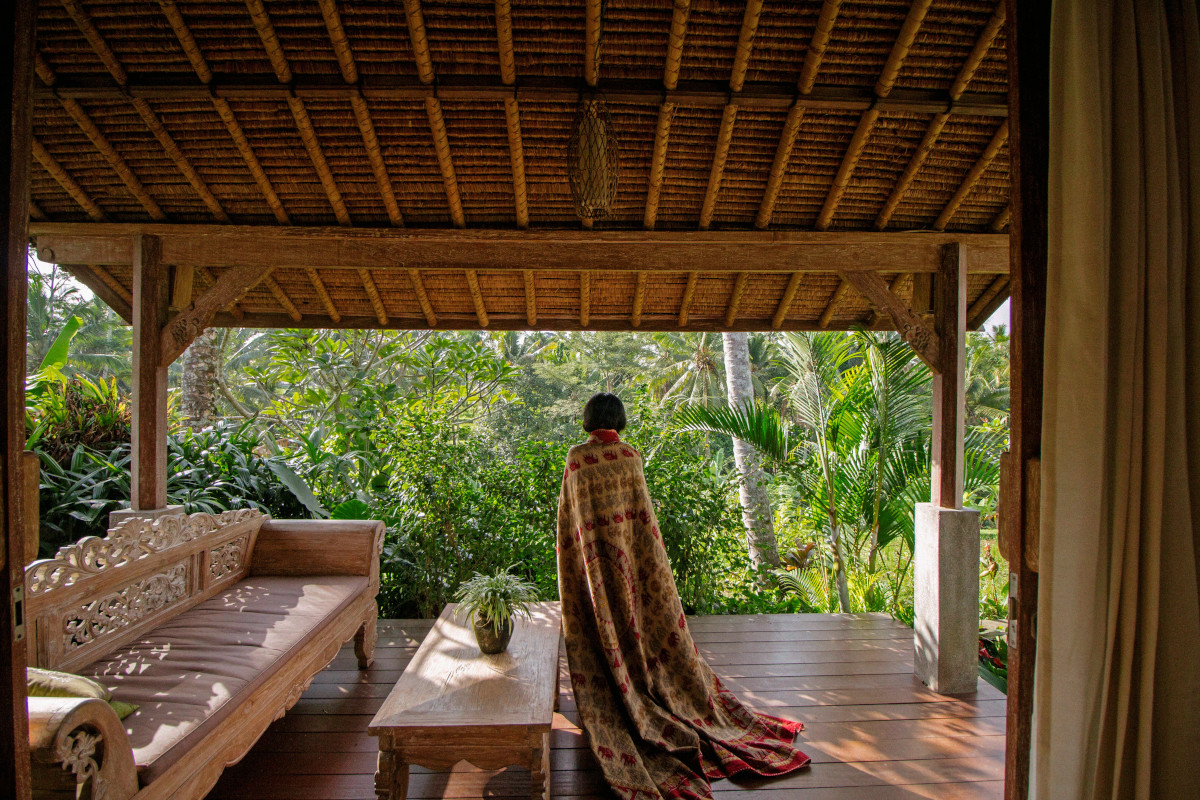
[455, 704]
[213, 625]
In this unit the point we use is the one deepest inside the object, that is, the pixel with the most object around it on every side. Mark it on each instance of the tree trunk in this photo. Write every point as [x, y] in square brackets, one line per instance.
[198, 385]
[756, 505]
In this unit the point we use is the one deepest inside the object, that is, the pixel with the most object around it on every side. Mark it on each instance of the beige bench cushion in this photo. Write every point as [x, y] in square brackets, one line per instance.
[193, 671]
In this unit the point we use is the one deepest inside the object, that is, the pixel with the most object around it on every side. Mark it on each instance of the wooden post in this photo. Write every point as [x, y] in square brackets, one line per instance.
[151, 297]
[949, 391]
[16, 110]
[1028, 41]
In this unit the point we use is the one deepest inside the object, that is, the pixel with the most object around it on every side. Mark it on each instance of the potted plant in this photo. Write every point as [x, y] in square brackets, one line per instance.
[491, 602]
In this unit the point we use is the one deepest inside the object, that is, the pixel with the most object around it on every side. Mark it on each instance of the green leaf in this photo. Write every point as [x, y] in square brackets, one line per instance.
[56, 356]
[351, 509]
[759, 425]
[298, 487]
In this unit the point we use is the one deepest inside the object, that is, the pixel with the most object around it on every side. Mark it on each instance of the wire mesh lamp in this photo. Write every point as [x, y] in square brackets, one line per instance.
[593, 159]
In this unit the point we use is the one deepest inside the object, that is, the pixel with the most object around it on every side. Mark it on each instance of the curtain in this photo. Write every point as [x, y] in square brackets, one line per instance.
[1117, 698]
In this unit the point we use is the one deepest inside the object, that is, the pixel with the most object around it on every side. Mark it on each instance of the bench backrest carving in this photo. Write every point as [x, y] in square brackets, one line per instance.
[97, 595]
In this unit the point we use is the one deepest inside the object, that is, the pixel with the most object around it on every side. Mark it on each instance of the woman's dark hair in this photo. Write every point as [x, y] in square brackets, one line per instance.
[604, 411]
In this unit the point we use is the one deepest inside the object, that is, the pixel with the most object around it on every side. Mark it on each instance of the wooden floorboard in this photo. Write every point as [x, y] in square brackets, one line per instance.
[873, 732]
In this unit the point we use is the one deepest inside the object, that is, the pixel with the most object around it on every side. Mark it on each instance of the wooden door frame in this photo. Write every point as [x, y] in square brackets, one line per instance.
[1028, 43]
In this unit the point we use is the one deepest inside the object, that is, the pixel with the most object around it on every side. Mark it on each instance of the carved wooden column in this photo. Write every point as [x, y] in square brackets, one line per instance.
[151, 299]
[946, 562]
[16, 109]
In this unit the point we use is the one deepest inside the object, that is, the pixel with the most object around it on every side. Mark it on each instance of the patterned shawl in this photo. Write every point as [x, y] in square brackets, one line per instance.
[660, 722]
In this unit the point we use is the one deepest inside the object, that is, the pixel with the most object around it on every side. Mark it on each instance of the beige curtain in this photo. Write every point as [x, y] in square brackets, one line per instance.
[1117, 709]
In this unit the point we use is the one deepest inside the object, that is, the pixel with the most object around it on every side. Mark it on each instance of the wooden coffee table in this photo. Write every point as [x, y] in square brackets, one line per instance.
[455, 704]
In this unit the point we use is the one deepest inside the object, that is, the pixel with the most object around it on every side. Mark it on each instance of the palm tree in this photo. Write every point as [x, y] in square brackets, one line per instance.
[199, 379]
[687, 367]
[756, 503]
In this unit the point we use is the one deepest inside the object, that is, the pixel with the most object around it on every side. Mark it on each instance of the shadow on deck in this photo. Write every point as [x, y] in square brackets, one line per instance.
[873, 732]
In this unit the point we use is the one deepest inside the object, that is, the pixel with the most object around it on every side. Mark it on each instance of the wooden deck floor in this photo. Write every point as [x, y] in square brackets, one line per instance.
[872, 731]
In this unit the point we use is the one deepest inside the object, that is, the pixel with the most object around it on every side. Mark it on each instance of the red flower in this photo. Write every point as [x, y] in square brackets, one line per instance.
[591, 459]
[610, 456]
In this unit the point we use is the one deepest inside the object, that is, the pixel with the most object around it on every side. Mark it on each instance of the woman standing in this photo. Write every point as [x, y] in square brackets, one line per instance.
[660, 723]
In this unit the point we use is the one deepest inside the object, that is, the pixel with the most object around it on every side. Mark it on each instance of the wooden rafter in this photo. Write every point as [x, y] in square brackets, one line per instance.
[831, 307]
[1001, 221]
[817, 45]
[477, 298]
[106, 287]
[419, 40]
[938, 122]
[373, 295]
[785, 302]
[972, 177]
[985, 305]
[658, 163]
[190, 322]
[418, 285]
[735, 297]
[679, 19]
[639, 300]
[689, 294]
[741, 56]
[282, 298]
[318, 285]
[914, 330]
[585, 298]
[591, 43]
[530, 297]
[66, 182]
[512, 112]
[35, 211]
[186, 40]
[82, 21]
[113, 158]
[866, 123]
[181, 287]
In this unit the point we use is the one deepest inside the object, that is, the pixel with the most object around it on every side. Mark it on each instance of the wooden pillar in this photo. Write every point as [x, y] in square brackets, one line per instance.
[949, 391]
[1028, 41]
[16, 109]
[151, 298]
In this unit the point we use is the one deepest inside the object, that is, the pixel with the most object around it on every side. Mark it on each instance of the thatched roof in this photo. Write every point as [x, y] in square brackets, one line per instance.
[422, 117]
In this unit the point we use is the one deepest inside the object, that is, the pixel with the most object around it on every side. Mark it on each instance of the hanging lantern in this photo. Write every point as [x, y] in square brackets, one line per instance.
[592, 159]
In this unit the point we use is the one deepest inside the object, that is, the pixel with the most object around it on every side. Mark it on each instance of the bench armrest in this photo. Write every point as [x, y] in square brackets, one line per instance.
[318, 547]
[83, 737]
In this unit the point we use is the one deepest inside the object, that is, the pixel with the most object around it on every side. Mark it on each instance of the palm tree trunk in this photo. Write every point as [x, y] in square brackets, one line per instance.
[198, 384]
[756, 505]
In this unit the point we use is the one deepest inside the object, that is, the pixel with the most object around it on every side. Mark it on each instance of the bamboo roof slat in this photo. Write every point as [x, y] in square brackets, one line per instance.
[1000, 222]
[81, 19]
[658, 162]
[817, 45]
[679, 18]
[114, 159]
[247, 153]
[591, 45]
[745, 44]
[186, 40]
[270, 41]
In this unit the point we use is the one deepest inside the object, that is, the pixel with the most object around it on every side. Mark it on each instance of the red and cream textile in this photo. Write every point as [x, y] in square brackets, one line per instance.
[659, 721]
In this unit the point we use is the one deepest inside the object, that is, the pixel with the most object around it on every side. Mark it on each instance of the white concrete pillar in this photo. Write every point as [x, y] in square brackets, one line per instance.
[946, 598]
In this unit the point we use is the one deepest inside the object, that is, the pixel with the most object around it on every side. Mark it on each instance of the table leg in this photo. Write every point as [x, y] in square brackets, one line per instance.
[391, 777]
[539, 770]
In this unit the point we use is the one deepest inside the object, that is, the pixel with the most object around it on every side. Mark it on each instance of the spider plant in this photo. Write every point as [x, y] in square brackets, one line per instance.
[495, 600]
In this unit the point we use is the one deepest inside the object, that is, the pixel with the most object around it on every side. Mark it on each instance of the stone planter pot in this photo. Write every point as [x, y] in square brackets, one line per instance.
[489, 640]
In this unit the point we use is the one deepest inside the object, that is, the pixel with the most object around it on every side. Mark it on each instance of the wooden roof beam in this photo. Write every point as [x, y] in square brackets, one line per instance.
[591, 44]
[373, 295]
[666, 111]
[185, 326]
[689, 294]
[35, 211]
[785, 302]
[106, 287]
[914, 330]
[894, 288]
[67, 182]
[477, 298]
[972, 177]
[318, 285]
[1002, 219]
[735, 297]
[186, 40]
[639, 300]
[791, 127]
[418, 285]
[233, 308]
[984, 43]
[282, 298]
[512, 113]
[530, 297]
[831, 307]
[114, 159]
[866, 123]
[986, 304]
[585, 298]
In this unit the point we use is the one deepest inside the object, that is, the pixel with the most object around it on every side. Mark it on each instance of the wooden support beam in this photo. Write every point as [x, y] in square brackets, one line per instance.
[149, 450]
[247, 153]
[785, 302]
[266, 32]
[783, 154]
[679, 19]
[233, 309]
[585, 298]
[949, 382]
[419, 40]
[735, 298]
[308, 135]
[504, 42]
[183, 278]
[984, 43]
[441, 144]
[318, 285]
[894, 287]
[113, 158]
[82, 21]
[388, 248]
[986, 304]
[741, 56]
[337, 38]
[186, 40]
[817, 45]
[66, 181]
[1002, 219]
[689, 294]
[35, 211]
[591, 43]
[973, 176]
[923, 340]
[512, 113]
[177, 157]
[831, 307]
[477, 298]
[530, 297]
[639, 299]
[106, 287]
[418, 285]
[866, 123]
[724, 136]
[184, 327]
[658, 163]
[373, 295]
[282, 298]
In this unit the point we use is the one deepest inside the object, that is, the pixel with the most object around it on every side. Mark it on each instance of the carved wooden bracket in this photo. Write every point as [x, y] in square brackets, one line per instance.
[189, 323]
[914, 330]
